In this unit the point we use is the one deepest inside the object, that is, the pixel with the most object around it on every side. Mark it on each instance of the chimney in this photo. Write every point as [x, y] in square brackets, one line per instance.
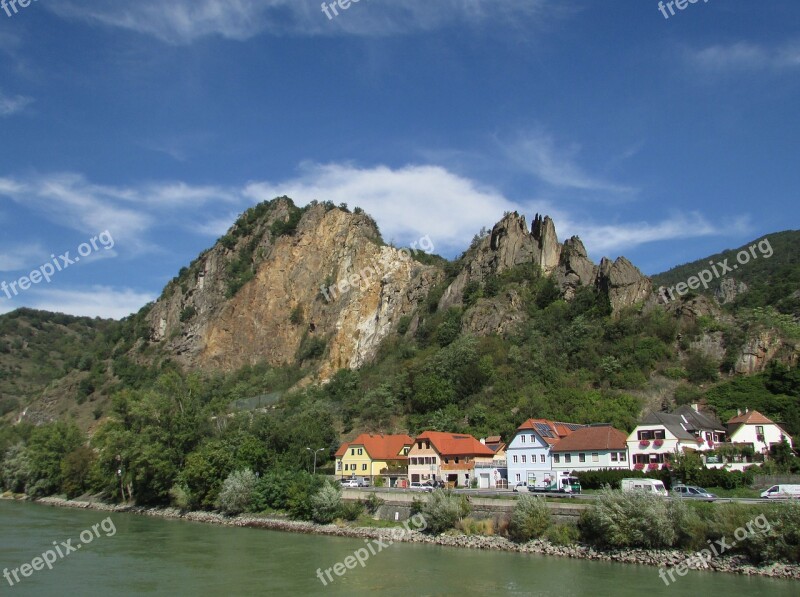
[738, 412]
[696, 407]
[483, 441]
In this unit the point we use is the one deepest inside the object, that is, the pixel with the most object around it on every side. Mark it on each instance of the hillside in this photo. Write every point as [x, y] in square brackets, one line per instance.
[520, 324]
[767, 276]
[309, 318]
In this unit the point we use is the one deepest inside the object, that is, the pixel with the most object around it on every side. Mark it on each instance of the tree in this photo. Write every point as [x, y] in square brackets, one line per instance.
[238, 492]
[326, 504]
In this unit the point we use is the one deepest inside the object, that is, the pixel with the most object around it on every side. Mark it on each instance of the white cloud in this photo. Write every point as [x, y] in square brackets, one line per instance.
[184, 21]
[538, 154]
[744, 56]
[407, 203]
[10, 105]
[98, 301]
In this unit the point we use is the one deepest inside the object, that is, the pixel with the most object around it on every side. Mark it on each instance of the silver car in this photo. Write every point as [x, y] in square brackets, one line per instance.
[692, 492]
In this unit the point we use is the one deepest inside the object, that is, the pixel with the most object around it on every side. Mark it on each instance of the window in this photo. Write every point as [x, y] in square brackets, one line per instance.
[352, 451]
[541, 457]
[338, 465]
[533, 439]
[595, 457]
[522, 439]
[557, 458]
[515, 462]
[567, 458]
[581, 457]
[518, 479]
[363, 467]
[360, 451]
[613, 456]
[622, 457]
[524, 459]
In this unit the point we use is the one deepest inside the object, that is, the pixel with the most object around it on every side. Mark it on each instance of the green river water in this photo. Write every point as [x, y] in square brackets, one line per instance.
[152, 556]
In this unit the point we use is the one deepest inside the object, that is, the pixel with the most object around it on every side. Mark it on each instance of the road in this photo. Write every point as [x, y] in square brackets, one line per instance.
[509, 494]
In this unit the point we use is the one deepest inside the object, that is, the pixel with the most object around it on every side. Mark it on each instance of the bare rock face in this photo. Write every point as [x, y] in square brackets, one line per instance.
[502, 315]
[575, 268]
[508, 245]
[332, 280]
[689, 311]
[728, 290]
[762, 348]
[548, 251]
[624, 284]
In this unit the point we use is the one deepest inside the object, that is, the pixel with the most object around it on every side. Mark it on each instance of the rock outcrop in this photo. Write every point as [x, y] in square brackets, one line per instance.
[510, 244]
[331, 282]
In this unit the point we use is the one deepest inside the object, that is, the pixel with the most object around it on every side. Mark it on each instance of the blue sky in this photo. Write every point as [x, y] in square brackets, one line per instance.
[663, 140]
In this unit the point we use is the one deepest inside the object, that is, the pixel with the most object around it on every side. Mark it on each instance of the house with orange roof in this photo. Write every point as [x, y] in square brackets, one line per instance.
[591, 448]
[529, 452]
[752, 428]
[449, 457]
[372, 456]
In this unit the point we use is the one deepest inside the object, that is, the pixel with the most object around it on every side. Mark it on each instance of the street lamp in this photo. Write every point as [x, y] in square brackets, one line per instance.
[315, 457]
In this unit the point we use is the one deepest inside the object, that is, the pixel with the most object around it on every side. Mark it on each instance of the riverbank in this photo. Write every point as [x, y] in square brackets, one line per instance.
[658, 558]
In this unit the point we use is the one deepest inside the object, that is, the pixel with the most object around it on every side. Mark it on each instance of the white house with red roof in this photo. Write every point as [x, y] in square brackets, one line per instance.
[753, 428]
[529, 451]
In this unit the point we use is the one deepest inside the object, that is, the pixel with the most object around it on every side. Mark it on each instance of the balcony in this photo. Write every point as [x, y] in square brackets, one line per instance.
[461, 466]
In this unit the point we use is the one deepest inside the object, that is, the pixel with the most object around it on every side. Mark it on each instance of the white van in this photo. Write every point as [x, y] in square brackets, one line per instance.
[782, 492]
[653, 486]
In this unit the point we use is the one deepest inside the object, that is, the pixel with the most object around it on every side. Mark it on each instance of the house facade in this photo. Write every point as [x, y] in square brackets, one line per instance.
[529, 451]
[374, 456]
[493, 474]
[659, 436]
[449, 457]
[753, 428]
[591, 448]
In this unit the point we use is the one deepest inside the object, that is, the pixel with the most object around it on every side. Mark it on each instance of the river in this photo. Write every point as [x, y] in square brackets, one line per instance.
[138, 555]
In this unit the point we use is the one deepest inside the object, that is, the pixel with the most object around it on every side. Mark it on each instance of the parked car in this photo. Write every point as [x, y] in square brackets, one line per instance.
[521, 487]
[782, 492]
[417, 486]
[350, 483]
[647, 485]
[692, 492]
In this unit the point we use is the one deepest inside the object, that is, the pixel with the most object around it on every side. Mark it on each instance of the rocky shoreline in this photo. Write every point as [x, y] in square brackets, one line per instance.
[659, 558]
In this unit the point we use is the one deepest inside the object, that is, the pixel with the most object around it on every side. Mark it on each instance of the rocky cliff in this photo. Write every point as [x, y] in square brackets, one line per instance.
[330, 290]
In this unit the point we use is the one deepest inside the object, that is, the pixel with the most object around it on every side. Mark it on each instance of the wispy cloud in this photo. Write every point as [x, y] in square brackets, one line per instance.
[21, 256]
[744, 56]
[537, 153]
[97, 301]
[129, 213]
[10, 105]
[184, 21]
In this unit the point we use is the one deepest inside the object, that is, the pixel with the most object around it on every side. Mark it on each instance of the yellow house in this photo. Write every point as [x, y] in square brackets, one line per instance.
[373, 456]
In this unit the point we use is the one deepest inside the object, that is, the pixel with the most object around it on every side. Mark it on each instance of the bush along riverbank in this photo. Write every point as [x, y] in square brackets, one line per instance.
[761, 540]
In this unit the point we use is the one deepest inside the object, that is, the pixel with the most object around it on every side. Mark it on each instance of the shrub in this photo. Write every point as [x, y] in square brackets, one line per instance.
[238, 492]
[444, 509]
[373, 502]
[326, 504]
[628, 519]
[530, 519]
[470, 526]
[180, 496]
[352, 510]
[563, 534]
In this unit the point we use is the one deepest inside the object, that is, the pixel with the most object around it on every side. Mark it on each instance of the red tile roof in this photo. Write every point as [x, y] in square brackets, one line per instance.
[379, 447]
[559, 430]
[593, 438]
[752, 417]
[455, 444]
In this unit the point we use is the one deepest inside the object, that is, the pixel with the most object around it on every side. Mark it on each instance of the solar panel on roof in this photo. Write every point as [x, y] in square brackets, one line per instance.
[543, 430]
